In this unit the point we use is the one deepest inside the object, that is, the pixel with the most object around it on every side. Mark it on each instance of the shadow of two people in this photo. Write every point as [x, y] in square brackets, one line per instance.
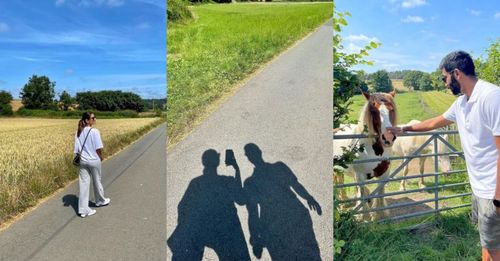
[277, 220]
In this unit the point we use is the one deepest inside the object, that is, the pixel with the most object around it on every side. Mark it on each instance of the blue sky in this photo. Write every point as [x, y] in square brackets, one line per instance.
[84, 45]
[417, 34]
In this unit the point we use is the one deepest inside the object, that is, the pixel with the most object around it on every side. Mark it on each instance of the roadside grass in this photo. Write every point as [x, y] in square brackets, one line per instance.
[222, 46]
[29, 174]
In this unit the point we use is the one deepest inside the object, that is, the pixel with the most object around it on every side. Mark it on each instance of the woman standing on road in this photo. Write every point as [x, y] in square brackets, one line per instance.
[89, 144]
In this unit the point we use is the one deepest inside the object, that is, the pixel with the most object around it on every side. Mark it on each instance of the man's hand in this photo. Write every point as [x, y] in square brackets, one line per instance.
[395, 130]
[257, 246]
[314, 205]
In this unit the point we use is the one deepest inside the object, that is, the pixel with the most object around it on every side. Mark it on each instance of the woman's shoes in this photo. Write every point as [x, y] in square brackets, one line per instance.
[104, 203]
[91, 212]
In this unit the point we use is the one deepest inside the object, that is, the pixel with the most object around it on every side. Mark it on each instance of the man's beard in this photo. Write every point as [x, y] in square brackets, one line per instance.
[455, 86]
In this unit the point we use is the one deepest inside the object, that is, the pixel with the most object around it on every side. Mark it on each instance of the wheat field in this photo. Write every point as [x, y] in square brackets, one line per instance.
[35, 155]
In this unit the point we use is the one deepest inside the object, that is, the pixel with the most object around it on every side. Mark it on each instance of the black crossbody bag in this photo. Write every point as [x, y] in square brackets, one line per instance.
[78, 156]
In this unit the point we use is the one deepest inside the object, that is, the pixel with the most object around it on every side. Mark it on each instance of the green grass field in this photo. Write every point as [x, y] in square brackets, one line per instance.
[222, 46]
[411, 105]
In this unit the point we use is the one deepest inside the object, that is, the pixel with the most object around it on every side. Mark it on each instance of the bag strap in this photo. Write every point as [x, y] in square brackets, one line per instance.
[85, 140]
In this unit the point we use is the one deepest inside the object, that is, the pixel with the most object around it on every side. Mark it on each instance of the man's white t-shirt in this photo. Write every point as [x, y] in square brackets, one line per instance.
[92, 144]
[478, 121]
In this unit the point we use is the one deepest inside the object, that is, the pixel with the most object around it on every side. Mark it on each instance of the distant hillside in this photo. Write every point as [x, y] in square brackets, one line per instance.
[151, 104]
[16, 104]
[398, 85]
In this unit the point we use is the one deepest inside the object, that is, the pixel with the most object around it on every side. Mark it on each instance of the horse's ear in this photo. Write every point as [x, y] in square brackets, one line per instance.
[366, 94]
[393, 93]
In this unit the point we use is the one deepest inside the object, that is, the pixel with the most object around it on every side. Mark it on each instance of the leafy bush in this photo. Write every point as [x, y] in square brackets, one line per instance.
[178, 11]
[6, 110]
[5, 97]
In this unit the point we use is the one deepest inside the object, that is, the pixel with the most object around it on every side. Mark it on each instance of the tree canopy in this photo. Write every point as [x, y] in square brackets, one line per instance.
[489, 68]
[380, 81]
[38, 93]
[109, 101]
[5, 97]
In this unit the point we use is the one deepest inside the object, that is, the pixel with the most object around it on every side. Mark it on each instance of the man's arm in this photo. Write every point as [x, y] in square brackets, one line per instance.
[427, 125]
[239, 194]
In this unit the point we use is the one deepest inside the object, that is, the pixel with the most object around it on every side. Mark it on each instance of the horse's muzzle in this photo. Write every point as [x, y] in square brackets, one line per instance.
[388, 138]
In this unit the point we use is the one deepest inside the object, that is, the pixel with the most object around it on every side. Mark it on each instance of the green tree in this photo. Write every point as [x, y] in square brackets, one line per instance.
[110, 101]
[380, 81]
[38, 93]
[5, 97]
[65, 100]
[411, 80]
[437, 82]
[489, 69]
[425, 82]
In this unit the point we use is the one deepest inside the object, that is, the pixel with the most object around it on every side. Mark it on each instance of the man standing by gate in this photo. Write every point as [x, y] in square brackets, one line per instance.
[477, 116]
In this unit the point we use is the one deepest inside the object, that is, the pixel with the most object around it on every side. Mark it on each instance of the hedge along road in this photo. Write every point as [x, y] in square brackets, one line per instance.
[285, 110]
[130, 228]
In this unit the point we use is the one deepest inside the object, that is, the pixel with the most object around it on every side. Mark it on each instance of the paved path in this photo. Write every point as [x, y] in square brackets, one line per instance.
[286, 110]
[130, 228]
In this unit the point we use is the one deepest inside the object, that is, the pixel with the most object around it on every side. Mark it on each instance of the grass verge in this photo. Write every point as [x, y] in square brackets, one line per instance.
[449, 236]
[26, 190]
[222, 46]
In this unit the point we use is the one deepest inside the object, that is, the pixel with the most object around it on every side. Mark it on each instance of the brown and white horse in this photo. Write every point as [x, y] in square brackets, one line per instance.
[378, 113]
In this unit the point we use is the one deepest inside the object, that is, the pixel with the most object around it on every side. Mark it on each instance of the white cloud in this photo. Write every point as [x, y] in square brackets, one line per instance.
[36, 59]
[4, 27]
[413, 3]
[361, 38]
[352, 48]
[473, 12]
[142, 26]
[157, 3]
[69, 72]
[90, 3]
[413, 19]
[497, 15]
[396, 44]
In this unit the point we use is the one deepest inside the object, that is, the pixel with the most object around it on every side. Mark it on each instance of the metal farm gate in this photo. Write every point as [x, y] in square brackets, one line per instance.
[435, 137]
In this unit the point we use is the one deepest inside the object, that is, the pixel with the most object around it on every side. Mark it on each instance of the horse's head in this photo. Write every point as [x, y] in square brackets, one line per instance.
[380, 113]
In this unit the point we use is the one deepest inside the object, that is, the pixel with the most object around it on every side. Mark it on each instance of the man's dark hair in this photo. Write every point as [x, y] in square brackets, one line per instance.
[458, 60]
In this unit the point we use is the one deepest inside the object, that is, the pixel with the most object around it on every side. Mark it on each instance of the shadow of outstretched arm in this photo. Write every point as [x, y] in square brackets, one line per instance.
[238, 192]
[254, 223]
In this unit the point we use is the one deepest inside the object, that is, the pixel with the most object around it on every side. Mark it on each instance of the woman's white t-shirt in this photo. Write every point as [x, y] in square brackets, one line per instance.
[92, 144]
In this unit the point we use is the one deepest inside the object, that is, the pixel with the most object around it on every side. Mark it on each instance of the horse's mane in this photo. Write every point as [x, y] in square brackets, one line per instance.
[367, 119]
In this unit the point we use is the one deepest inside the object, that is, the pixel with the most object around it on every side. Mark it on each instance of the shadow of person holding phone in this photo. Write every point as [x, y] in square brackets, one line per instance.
[207, 216]
[277, 220]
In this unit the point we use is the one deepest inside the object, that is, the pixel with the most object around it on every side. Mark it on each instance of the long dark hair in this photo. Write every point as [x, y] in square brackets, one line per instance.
[82, 122]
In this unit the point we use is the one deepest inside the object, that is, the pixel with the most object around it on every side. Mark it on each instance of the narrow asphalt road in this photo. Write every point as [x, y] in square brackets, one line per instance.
[130, 228]
[286, 110]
